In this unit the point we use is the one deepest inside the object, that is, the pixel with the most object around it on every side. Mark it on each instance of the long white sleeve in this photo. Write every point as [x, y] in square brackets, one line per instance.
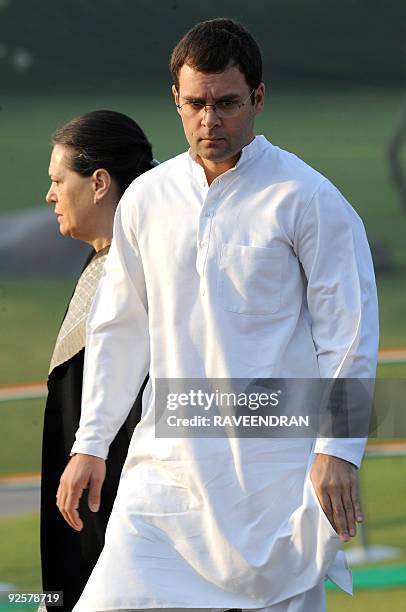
[341, 295]
[117, 346]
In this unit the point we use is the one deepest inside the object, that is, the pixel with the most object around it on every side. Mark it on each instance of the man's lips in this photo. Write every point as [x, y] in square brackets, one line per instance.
[211, 138]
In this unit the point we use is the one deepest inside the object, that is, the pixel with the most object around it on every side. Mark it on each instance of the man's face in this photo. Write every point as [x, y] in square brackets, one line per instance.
[215, 139]
[72, 196]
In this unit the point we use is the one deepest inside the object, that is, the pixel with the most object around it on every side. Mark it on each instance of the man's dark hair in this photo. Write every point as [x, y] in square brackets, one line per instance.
[106, 139]
[214, 45]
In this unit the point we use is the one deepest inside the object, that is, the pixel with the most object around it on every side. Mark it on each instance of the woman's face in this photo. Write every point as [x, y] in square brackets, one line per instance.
[72, 195]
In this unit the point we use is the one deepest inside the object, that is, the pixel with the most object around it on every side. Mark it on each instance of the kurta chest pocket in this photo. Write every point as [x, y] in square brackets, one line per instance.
[250, 279]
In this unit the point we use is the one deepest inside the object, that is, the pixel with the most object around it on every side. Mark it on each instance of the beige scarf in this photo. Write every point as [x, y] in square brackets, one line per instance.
[72, 334]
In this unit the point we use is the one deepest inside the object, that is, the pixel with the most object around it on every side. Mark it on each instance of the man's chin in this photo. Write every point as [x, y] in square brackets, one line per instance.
[214, 151]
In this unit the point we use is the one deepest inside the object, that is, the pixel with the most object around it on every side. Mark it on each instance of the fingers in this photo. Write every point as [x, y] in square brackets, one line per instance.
[344, 515]
[325, 503]
[60, 497]
[71, 513]
[330, 500]
[337, 485]
[340, 517]
[61, 501]
[68, 498]
[94, 493]
[71, 487]
[356, 501]
[352, 504]
[82, 471]
[349, 511]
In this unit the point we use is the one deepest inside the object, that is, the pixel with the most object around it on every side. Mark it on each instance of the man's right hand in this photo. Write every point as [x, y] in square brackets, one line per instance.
[82, 471]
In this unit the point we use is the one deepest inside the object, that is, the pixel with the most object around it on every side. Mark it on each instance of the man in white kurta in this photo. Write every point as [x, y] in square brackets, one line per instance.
[259, 270]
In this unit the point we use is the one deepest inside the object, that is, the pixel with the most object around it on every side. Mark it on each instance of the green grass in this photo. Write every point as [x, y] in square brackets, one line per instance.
[19, 552]
[31, 312]
[21, 431]
[383, 492]
[392, 306]
[392, 370]
[371, 601]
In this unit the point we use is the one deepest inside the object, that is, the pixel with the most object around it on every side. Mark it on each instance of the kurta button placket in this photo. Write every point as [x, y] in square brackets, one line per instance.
[204, 231]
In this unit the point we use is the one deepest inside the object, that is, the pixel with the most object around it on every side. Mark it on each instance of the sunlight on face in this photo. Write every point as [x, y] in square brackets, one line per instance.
[217, 140]
[72, 196]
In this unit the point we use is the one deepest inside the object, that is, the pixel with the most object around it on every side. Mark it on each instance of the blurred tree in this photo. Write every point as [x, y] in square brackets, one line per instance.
[395, 147]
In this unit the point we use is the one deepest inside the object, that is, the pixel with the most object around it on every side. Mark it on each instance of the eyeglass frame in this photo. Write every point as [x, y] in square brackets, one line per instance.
[204, 106]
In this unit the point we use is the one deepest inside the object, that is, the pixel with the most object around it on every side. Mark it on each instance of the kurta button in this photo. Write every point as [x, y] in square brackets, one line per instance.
[203, 291]
[203, 243]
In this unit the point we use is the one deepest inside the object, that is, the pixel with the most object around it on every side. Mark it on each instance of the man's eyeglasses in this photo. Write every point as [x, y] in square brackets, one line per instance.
[222, 108]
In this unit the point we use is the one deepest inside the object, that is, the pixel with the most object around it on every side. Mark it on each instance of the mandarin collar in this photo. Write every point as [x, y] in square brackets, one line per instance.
[251, 150]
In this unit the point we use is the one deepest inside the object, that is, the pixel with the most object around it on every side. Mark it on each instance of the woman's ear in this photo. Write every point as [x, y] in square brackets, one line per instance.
[101, 184]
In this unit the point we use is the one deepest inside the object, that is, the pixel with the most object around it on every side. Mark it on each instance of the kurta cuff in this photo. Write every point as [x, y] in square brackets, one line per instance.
[349, 449]
[90, 448]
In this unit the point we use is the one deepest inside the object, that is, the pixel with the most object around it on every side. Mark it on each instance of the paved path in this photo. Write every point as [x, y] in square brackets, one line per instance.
[19, 495]
[392, 356]
[18, 392]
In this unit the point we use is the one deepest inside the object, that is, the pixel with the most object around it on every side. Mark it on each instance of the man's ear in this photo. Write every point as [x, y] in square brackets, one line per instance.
[259, 98]
[101, 181]
[175, 94]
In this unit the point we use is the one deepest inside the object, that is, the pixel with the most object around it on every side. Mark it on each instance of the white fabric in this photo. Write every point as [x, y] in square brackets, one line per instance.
[266, 273]
[313, 600]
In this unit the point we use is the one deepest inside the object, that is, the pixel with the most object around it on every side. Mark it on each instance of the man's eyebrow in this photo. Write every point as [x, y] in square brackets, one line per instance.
[228, 96]
[193, 99]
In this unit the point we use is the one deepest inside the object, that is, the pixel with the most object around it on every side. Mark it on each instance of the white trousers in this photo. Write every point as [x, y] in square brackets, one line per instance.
[313, 600]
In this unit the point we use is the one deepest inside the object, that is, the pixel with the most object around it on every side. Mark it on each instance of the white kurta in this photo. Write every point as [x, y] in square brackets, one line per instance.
[266, 273]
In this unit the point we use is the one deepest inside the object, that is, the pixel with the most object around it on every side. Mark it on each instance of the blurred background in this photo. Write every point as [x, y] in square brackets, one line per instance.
[335, 77]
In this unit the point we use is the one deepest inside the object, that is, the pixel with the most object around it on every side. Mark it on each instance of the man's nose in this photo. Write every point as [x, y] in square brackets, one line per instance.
[210, 118]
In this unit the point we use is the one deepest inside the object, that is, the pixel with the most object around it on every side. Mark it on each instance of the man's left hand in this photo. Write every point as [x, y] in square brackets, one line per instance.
[336, 484]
